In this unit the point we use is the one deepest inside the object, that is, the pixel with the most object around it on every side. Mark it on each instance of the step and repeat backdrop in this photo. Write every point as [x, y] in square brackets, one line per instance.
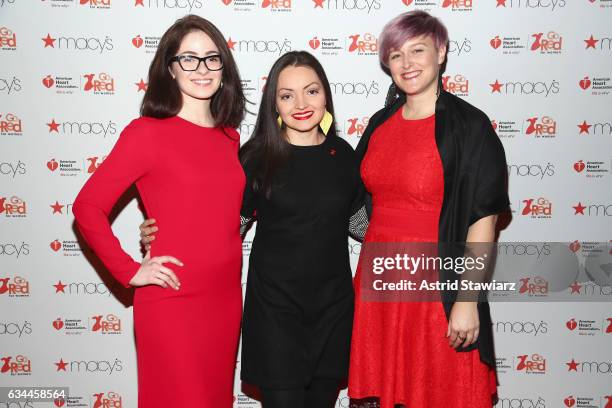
[72, 75]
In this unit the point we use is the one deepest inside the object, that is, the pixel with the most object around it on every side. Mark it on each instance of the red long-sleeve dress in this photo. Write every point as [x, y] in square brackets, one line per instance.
[191, 182]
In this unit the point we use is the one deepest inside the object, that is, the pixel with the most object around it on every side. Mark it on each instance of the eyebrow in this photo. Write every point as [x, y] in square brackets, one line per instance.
[312, 83]
[195, 53]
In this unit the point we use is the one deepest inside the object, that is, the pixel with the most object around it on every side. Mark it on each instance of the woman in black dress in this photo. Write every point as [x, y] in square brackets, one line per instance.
[304, 190]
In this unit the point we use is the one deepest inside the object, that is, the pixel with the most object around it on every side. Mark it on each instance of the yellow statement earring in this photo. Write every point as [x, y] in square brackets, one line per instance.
[326, 122]
[279, 120]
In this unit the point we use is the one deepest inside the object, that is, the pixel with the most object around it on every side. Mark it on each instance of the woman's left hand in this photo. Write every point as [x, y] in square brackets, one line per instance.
[463, 324]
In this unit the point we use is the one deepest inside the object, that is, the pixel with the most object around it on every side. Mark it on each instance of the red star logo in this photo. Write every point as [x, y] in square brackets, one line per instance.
[139, 3]
[59, 287]
[496, 87]
[57, 208]
[53, 126]
[230, 44]
[142, 85]
[49, 42]
[579, 208]
[501, 3]
[572, 365]
[591, 42]
[584, 127]
[61, 365]
[318, 3]
[575, 287]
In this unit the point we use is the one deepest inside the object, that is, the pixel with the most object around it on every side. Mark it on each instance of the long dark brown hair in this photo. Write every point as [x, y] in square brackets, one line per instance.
[267, 150]
[163, 97]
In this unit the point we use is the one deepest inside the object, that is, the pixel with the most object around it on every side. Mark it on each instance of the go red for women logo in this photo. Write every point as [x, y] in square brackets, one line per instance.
[458, 5]
[541, 127]
[107, 399]
[277, 5]
[457, 84]
[110, 324]
[534, 364]
[18, 365]
[96, 4]
[17, 287]
[100, 84]
[356, 126]
[8, 39]
[10, 125]
[551, 44]
[363, 44]
[13, 207]
[537, 208]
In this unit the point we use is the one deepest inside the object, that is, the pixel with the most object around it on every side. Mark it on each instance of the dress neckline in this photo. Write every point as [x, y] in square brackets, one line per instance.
[400, 116]
[177, 117]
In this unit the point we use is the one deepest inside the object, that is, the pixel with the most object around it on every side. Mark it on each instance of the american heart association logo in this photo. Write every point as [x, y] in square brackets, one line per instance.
[58, 324]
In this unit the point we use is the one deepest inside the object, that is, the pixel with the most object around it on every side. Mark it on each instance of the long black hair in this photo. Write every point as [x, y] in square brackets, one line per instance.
[267, 150]
[163, 97]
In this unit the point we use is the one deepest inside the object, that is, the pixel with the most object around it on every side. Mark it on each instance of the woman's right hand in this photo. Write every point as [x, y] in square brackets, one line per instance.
[153, 272]
[147, 229]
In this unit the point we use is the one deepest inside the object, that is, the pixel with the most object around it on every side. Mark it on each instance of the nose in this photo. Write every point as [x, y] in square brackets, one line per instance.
[406, 60]
[300, 101]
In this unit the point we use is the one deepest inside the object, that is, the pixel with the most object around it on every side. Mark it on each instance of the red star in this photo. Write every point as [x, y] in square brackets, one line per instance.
[49, 42]
[496, 87]
[139, 3]
[591, 42]
[579, 209]
[59, 287]
[501, 3]
[584, 127]
[575, 288]
[318, 3]
[230, 44]
[142, 85]
[53, 126]
[572, 365]
[61, 365]
[57, 207]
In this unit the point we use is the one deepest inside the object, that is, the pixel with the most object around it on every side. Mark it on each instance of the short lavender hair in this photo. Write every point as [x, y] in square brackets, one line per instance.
[410, 25]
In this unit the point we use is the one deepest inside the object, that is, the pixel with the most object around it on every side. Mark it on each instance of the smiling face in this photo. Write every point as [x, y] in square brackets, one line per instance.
[202, 83]
[416, 64]
[300, 98]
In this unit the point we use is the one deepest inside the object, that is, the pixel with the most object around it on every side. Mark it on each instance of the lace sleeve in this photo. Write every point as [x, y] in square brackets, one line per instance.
[358, 224]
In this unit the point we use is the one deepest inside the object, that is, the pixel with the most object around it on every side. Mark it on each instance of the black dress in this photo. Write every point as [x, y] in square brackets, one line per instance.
[298, 309]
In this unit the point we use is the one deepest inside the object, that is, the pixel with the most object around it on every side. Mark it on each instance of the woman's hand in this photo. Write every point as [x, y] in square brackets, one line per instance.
[147, 229]
[153, 272]
[463, 324]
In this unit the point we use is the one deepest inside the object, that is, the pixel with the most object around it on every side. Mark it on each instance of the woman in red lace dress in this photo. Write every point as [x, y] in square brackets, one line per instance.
[435, 171]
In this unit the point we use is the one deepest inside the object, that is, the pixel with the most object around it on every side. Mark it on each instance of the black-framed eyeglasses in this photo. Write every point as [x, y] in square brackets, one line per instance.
[192, 63]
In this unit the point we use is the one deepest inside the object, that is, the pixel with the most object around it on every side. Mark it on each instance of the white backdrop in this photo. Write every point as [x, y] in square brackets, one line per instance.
[72, 75]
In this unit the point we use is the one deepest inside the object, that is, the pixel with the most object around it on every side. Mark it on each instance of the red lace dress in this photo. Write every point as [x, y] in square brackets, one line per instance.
[400, 352]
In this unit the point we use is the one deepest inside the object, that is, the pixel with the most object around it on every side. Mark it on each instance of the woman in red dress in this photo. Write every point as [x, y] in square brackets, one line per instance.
[435, 172]
[182, 154]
